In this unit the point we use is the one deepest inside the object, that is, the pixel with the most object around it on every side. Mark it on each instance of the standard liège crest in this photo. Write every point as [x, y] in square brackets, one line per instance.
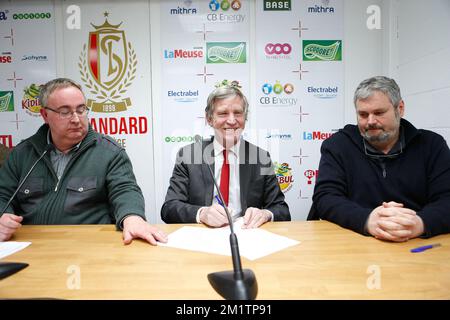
[108, 67]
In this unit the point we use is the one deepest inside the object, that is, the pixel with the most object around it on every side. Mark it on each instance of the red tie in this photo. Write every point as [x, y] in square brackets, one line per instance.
[225, 177]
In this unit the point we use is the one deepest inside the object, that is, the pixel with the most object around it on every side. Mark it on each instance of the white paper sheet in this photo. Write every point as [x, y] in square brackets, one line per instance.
[253, 243]
[9, 247]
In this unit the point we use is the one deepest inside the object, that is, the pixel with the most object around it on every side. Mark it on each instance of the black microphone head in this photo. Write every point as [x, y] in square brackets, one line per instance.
[198, 138]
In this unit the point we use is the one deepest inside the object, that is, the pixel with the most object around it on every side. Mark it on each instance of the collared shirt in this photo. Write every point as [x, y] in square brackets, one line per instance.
[60, 159]
[234, 195]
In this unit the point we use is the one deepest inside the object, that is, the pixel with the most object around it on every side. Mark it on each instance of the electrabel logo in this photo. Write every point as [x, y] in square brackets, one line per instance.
[323, 92]
[225, 5]
[5, 57]
[6, 101]
[186, 10]
[316, 135]
[310, 174]
[277, 5]
[32, 16]
[178, 139]
[3, 15]
[279, 90]
[220, 7]
[322, 50]
[278, 51]
[183, 54]
[184, 96]
[226, 52]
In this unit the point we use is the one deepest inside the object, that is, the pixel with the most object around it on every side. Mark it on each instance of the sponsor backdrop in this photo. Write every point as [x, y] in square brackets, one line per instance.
[291, 69]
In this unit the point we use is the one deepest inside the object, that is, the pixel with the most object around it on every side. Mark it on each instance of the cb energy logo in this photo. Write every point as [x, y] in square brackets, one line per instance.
[225, 11]
[225, 5]
[281, 92]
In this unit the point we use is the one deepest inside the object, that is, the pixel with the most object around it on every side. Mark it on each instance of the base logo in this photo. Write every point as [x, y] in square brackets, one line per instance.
[322, 50]
[277, 5]
[6, 101]
[30, 100]
[284, 176]
[108, 67]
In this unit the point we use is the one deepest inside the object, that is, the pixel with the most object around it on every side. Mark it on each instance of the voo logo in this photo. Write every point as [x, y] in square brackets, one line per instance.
[278, 48]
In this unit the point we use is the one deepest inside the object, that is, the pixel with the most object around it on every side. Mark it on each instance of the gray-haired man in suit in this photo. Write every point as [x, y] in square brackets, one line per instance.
[253, 190]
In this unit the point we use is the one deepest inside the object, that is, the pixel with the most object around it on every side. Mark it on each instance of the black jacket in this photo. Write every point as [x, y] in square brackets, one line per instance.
[191, 186]
[351, 184]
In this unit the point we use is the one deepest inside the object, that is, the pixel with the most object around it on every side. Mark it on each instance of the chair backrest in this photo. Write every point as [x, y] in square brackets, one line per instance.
[313, 214]
[4, 152]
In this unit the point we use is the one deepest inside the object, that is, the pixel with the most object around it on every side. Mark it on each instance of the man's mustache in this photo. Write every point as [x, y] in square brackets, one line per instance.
[374, 126]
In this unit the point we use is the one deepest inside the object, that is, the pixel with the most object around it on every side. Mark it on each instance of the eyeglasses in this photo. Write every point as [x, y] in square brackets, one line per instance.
[66, 113]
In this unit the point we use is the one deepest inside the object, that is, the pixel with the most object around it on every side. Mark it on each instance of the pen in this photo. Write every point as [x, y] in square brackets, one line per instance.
[218, 200]
[423, 248]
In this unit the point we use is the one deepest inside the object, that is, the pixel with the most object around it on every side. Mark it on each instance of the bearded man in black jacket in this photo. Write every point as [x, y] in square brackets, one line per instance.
[384, 177]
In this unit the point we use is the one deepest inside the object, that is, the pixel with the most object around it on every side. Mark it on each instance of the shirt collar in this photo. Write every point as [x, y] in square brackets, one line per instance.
[49, 141]
[218, 148]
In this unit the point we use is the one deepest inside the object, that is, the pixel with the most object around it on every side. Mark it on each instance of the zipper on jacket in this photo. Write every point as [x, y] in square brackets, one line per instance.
[57, 184]
[74, 157]
[383, 166]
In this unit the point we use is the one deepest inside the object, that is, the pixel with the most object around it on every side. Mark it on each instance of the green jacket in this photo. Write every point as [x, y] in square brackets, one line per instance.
[98, 185]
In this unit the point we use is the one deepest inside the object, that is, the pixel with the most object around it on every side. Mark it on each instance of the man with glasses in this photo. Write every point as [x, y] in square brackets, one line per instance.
[85, 178]
[384, 177]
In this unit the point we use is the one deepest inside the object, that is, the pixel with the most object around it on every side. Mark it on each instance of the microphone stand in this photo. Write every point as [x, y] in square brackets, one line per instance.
[238, 284]
[9, 268]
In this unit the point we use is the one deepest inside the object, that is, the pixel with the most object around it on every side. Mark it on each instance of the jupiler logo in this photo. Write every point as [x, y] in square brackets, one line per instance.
[108, 67]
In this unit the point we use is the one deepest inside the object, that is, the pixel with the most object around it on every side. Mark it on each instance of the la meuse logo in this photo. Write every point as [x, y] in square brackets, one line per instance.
[5, 59]
[316, 135]
[182, 54]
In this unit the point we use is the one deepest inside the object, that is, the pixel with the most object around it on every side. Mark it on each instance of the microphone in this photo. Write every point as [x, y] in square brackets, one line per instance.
[238, 284]
[9, 268]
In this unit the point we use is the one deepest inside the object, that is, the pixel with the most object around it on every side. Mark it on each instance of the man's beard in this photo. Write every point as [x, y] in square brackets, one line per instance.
[382, 137]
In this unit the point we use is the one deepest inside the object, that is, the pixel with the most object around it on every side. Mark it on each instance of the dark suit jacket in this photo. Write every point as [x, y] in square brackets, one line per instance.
[192, 187]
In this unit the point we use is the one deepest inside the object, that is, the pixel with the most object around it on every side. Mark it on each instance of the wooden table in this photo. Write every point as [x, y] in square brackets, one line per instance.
[90, 262]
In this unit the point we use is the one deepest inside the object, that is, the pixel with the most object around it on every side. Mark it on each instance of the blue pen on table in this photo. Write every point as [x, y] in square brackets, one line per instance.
[218, 200]
[423, 248]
